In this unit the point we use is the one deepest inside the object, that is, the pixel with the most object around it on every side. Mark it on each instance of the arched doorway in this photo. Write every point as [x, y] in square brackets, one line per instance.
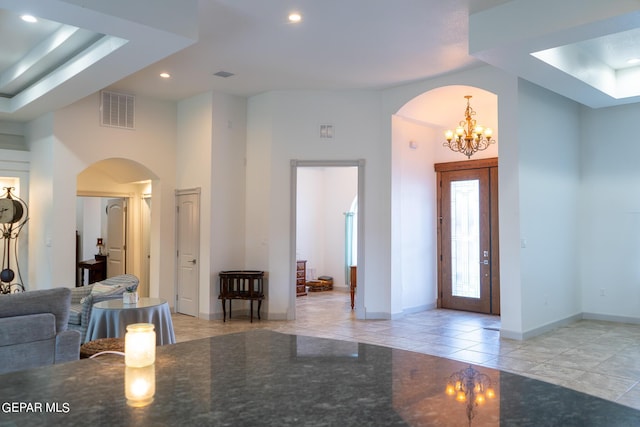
[418, 136]
[98, 186]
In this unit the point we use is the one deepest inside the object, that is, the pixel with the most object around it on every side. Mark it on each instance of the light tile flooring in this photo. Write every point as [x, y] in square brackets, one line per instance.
[594, 357]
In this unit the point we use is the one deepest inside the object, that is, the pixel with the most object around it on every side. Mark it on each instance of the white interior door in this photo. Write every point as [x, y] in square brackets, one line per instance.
[188, 226]
[116, 236]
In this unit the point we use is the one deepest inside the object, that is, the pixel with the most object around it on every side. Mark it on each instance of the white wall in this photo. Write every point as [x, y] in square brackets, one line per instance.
[228, 183]
[549, 170]
[193, 171]
[610, 213]
[310, 224]
[341, 187]
[210, 156]
[285, 125]
[417, 224]
[39, 135]
[62, 145]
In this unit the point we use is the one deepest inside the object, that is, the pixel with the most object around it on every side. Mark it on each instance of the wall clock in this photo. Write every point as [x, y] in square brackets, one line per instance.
[10, 211]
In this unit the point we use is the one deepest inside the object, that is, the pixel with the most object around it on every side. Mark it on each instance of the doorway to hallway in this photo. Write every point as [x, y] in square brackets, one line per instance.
[468, 256]
[325, 239]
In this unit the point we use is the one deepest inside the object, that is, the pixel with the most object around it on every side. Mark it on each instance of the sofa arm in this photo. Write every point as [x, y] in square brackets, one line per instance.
[123, 280]
[67, 346]
[78, 293]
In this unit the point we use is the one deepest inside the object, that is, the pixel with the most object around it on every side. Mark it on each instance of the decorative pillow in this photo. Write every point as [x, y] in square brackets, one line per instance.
[99, 289]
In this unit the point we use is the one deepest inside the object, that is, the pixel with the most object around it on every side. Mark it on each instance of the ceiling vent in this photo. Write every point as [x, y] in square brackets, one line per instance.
[223, 74]
[117, 110]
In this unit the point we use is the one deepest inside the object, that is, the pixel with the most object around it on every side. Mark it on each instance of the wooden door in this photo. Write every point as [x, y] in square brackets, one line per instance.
[188, 226]
[468, 236]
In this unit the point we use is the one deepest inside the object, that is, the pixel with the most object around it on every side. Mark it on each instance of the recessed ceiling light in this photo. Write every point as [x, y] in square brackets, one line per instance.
[633, 61]
[165, 75]
[29, 18]
[295, 17]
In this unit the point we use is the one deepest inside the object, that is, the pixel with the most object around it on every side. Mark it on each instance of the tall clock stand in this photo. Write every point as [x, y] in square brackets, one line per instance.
[14, 214]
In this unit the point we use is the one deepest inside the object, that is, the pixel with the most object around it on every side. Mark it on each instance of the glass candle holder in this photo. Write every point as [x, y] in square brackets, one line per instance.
[140, 345]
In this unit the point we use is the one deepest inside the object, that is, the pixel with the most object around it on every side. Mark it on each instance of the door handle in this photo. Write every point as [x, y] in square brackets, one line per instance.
[193, 261]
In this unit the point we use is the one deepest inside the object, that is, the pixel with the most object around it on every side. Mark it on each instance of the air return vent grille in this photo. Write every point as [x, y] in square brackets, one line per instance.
[117, 110]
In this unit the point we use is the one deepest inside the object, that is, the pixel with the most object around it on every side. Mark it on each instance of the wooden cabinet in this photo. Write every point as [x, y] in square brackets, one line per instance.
[97, 269]
[241, 284]
[301, 278]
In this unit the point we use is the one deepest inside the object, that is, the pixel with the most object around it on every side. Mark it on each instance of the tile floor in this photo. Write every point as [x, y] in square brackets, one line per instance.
[594, 357]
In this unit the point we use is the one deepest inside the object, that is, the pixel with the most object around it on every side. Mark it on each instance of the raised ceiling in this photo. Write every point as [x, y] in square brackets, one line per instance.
[338, 45]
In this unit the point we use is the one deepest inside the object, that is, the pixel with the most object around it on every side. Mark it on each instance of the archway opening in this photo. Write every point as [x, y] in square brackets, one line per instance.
[98, 187]
[418, 129]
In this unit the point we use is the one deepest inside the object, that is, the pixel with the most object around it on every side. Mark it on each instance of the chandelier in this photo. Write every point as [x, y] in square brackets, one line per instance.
[471, 387]
[468, 136]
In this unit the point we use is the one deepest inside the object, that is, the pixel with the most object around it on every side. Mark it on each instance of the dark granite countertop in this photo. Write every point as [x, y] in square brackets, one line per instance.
[263, 378]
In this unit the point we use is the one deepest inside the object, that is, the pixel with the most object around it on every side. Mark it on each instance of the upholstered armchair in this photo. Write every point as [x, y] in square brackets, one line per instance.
[84, 297]
[33, 329]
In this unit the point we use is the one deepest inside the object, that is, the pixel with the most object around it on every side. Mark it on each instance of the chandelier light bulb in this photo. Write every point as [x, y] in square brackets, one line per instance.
[450, 390]
[491, 393]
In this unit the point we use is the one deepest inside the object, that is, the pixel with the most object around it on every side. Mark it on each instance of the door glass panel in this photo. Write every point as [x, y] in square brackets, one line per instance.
[465, 238]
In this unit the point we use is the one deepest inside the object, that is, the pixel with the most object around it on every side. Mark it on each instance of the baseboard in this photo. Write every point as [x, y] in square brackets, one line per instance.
[276, 316]
[210, 316]
[371, 315]
[420, 308]
[611, 318]
[520, 336]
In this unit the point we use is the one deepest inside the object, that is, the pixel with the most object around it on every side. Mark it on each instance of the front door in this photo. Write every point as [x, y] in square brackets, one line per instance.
[468, 236]
[188, 218]
[116, 236]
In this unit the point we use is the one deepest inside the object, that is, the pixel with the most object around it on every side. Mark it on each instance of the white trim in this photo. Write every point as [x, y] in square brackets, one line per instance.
[520, 336]
[611, 318]
[188, 191]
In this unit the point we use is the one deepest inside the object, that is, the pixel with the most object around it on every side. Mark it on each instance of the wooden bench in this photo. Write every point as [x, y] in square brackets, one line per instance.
[242, 285]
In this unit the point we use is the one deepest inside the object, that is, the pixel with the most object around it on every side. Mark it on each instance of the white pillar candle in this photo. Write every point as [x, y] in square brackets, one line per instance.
[140, 345]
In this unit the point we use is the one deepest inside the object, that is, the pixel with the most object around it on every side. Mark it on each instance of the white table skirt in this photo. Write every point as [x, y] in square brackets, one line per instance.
[109, 319]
